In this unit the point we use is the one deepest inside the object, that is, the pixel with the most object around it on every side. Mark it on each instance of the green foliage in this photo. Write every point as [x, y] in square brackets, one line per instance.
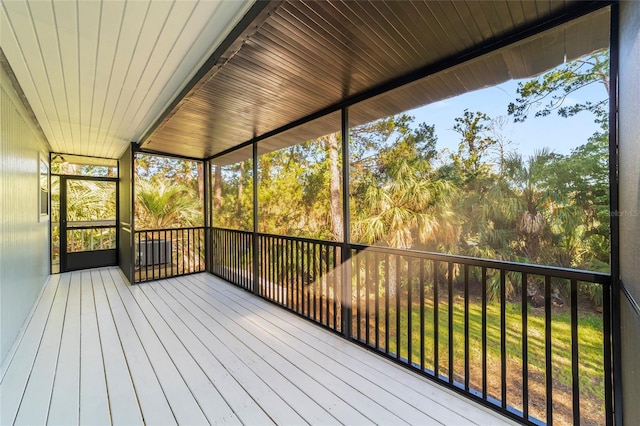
[169, 192]
[482, 201]
[474, 129]
[550, 91]
[161, 206]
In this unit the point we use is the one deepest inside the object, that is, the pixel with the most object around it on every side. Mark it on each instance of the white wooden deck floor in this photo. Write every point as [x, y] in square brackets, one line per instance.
[195, 350]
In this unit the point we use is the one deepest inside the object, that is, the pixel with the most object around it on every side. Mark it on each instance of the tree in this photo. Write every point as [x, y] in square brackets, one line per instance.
[161, 206]
[550, 91]
[583, 174]
[475, 129]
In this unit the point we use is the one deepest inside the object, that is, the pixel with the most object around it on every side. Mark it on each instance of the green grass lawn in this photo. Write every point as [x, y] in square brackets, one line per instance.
[590, 337]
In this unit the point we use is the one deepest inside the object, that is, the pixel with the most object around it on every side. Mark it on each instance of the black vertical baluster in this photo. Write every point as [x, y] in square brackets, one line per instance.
[322, 282]
[261, 263]
[301, 267]
[266, 265]
[292, 274]
[285, 265]
[188, 254]
[246, 261]
[315, 280]
[148, 255]
[336, 271]
[182, 249]
[269, 266]
[575, 382]
[525, 348]
[367, 312]
[503, 338]
[397, 288]
[386, 303]
[358, 259]
[275, 247]
[296, 282]
[171, 233]
[190, 248]
[271, 263]
[484, 333]
[376, 280]
[422, 284]
[167, 253]
[409, 313]
[608, 385]
[327, 259]
[450, 333]
[291, 261]
[245, 255]
[547, 347]
[466, 327]
[436, 323]
[281, 272]
[309, 278]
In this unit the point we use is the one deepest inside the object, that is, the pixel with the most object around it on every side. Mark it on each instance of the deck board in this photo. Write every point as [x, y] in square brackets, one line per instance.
[153, 403]
[14, 379]
[34, 407]
[64, 409]
[122, 396]
[94, 403]
[197, 350]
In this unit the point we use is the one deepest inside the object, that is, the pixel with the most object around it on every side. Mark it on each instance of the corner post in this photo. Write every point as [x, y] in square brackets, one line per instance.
[346, 314]
[255, 255]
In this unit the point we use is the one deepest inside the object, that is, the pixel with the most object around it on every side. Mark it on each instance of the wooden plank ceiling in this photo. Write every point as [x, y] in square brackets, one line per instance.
[300, 57]
[98, 74]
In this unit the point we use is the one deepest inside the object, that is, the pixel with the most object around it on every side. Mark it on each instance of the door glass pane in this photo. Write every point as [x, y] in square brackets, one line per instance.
[90, 202]
[91, 215]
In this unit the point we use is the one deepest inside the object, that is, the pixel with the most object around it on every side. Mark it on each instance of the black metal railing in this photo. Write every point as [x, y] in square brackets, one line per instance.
[297, 273]
[231, 256]
[303, 276]
[523, 339]
[163, 253]
[491, 329]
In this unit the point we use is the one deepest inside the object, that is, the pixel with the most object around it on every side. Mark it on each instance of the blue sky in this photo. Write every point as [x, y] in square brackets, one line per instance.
[556, 133]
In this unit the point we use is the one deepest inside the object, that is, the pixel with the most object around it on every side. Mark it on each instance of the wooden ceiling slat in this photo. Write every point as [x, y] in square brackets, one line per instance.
[307, 56]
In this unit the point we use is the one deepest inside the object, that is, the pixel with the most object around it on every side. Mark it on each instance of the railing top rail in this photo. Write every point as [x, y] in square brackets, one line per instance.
[241, 231]
[302, 239]
[553, 271]
[544, 270]
[186, 228]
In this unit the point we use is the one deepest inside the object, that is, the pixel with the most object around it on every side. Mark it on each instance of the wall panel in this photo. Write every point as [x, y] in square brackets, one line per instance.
[125, 214]
[629, 214]
[24, 240]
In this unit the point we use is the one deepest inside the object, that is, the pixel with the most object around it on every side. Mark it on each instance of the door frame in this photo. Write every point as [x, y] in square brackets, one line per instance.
[93, 258]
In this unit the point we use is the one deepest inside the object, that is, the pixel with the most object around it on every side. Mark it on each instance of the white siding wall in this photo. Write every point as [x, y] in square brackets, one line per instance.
[24, 242]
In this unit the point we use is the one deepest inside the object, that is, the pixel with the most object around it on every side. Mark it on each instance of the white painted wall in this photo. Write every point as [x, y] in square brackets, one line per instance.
[24, 241]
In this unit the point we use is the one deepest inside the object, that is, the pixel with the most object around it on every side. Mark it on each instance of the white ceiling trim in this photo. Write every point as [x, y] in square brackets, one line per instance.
[98, 74]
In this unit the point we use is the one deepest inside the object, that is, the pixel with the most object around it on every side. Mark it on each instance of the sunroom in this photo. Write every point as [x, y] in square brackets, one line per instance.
[320, 212]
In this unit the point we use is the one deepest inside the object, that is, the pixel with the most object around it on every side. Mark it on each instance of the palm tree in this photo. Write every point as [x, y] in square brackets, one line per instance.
[161, 206]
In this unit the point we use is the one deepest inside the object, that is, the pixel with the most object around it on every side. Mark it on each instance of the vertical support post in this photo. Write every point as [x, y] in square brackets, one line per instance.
[254, 255]
[208, 218]
[346, 221]
[616, 337]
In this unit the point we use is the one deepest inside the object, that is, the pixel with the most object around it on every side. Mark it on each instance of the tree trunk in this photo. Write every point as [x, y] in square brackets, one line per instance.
[240, 189]
[331, 145]
[200, 167]
[217, 188]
